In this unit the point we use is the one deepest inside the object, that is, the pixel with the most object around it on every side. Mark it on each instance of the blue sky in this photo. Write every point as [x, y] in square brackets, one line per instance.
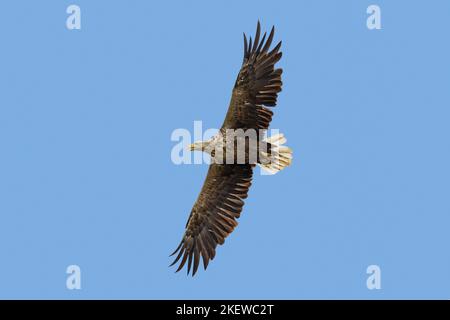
[86, 176]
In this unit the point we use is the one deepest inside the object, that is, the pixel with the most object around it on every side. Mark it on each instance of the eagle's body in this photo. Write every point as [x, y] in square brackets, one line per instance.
[235, 150]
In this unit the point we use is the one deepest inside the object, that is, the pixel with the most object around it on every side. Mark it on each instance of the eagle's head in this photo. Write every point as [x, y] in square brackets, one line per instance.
[200, 145]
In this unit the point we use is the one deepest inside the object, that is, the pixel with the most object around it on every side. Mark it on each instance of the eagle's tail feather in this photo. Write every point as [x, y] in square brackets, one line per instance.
[280, 155]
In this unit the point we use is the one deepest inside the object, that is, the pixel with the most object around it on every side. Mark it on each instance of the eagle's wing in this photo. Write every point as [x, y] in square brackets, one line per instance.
[214, 214]
[257, 85]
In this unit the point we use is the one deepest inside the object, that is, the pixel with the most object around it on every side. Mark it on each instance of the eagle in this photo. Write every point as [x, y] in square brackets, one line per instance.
[235, 150]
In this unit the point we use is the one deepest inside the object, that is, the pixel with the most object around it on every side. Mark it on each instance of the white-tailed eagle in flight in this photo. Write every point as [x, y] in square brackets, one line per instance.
[219, 204]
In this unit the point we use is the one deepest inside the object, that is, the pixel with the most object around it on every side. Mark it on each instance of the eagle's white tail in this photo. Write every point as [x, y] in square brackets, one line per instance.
[280, 157]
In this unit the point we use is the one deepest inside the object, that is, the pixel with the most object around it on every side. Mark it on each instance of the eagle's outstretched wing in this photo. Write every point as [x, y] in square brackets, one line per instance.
[214, 214]
[257, 85]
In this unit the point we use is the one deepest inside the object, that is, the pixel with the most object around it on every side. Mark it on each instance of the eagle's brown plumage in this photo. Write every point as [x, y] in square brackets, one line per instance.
[257, 85]
[220, 201]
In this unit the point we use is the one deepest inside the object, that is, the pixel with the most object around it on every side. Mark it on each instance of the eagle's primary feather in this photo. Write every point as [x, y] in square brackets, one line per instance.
[219, 204]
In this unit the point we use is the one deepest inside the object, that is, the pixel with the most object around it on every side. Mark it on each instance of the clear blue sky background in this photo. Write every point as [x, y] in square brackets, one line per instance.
[86, 176]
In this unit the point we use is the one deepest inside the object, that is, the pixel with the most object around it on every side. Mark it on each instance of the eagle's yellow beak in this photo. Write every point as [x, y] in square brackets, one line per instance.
[196, 146]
